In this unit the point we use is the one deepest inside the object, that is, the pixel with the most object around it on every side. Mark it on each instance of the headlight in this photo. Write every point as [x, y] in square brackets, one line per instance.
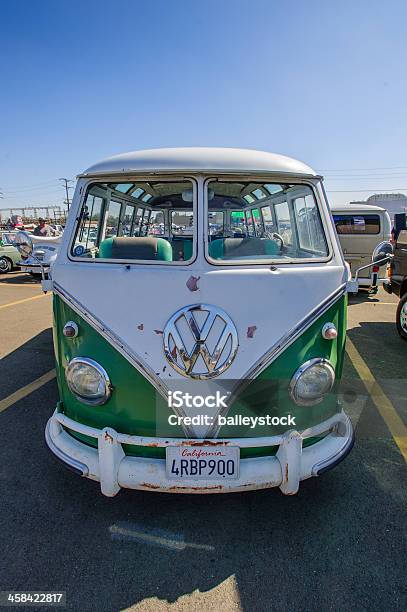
[312, 381]
[88, 381]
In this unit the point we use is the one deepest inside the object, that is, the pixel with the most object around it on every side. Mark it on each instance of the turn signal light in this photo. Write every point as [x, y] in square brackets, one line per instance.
[329, 331]
[70, 330]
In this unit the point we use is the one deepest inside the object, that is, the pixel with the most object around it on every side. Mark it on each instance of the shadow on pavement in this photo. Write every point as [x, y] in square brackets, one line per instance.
[362, 297]
[381, 348]
[18, 278]
[26, 363]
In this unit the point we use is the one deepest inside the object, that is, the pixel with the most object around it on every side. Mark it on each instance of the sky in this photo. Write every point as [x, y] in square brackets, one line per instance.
[321, 81]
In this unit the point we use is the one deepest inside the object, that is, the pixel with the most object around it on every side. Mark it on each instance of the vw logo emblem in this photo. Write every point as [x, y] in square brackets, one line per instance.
[200, 341]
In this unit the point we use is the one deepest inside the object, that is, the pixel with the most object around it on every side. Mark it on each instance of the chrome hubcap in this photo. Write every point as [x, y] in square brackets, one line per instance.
[403, 317]
[3, 265]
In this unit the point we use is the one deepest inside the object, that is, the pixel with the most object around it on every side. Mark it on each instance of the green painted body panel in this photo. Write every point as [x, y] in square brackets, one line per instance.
[132, 408]
[136, 408]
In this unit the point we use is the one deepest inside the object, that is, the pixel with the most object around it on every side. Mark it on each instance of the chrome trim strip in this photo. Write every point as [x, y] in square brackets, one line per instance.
[169, 172]
[292, 335]
[109, 335]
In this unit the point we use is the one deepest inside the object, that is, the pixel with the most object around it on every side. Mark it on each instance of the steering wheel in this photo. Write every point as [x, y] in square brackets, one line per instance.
[275, 236]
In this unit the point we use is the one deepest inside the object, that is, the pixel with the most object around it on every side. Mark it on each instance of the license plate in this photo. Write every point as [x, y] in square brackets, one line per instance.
[203, 462]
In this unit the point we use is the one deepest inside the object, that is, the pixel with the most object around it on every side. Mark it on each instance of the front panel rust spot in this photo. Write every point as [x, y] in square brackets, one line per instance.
[147, 485]
[192, 283]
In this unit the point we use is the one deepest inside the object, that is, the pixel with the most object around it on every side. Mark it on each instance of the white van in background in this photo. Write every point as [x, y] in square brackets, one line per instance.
[360, 229]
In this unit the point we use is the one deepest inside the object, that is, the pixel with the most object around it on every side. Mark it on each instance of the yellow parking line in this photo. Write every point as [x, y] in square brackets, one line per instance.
[24, 391]
[386, 409]
[34, 297]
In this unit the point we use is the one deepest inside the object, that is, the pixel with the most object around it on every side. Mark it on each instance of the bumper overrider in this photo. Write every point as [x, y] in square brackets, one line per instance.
[109, 465]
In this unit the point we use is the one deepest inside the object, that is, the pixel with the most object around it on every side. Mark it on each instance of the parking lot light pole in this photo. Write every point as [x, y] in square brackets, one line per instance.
[67, 187]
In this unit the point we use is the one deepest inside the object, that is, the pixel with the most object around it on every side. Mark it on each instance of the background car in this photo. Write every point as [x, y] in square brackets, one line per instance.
[397, 281]
[9, 256]
[45, 250]
[360, 229]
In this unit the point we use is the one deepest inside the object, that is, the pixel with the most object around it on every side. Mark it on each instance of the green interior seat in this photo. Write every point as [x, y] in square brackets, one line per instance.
[144, 248]
[227, 248]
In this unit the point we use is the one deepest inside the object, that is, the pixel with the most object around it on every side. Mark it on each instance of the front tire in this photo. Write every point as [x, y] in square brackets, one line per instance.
[5, 265]
[401, 317]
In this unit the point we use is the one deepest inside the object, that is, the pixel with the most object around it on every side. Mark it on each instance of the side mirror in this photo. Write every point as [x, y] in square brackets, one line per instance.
[382, 254]
[24, 244]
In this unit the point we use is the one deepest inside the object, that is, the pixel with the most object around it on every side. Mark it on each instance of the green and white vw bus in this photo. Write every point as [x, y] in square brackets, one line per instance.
[199, 324]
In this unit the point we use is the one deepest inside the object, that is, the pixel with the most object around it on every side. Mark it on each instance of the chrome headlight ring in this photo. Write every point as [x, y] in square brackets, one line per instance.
[72, 378]
[306, 366]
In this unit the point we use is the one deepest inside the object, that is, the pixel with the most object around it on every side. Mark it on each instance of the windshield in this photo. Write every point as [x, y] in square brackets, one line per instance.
[143, 221]
[251, 221]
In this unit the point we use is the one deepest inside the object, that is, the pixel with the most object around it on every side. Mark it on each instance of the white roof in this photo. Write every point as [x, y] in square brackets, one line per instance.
[200, 159]
[355, 207]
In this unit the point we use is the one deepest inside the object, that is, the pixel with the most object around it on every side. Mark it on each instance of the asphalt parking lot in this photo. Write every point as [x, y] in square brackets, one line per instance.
[337, 545]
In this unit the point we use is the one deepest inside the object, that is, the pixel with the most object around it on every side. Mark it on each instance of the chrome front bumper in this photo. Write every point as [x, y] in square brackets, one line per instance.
[28, 266]
[109, 465]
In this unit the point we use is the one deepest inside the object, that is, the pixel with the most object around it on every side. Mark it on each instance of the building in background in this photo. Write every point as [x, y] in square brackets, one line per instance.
[392, 202]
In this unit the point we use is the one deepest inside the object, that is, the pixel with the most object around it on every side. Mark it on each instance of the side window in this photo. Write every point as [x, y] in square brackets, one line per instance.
[357, 224]
[128, 220]
[309, 227]
[216, 223]
[250, 224]
[156, 225]
[258, 225]
[88, 231]
[182, 223]
[283, 219]
[113, 219]
[237, 223]
[145, 222]
[137, 221]
[268, 219]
